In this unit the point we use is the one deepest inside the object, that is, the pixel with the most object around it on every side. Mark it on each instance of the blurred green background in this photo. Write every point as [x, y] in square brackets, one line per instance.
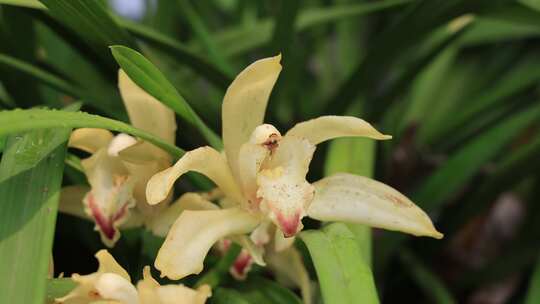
[454, 81]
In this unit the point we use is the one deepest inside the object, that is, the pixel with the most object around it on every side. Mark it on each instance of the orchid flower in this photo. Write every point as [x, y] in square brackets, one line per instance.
[112, 284]
[120, 166]
[262, 175]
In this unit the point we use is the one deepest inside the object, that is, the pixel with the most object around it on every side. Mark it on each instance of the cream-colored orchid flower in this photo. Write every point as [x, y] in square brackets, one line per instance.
[120, 166]
[112, 284]
[263, 174]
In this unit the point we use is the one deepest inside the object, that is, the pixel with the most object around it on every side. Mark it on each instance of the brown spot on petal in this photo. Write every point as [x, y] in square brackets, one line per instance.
[272, 142]
[397, 201]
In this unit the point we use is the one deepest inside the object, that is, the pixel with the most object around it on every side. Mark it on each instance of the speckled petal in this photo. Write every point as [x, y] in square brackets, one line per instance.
[358, 199]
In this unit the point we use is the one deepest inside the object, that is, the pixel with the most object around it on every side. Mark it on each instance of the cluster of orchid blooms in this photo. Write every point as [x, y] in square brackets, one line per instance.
[261, 196]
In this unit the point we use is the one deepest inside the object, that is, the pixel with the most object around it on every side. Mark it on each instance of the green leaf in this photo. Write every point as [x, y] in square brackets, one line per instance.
[24, 3]
[30, 182]
[510, 170]
[39, 74]
[523, 76]
[452, 176]
[148, 77]
[533, 294]
[16, 121]
[180, 52]
[243, 39]
[57, 288]
[336, 255]
[197, 25]
[92, 22]
[227, 296]
[263, 291]
[427, 280]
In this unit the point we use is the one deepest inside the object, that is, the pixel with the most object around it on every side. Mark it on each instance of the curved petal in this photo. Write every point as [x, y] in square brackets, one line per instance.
[244, 105]
[87, 289]
[89, 139]
[192, 235]
[145, 112]
[289, 270]
[328, 127]
[161, 224]
[358, 199]
[111, 286]
[107, 263]
[150, 292]
[204, 160]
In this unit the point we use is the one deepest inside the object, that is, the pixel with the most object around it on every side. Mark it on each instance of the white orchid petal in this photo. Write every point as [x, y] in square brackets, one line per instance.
[204, 160]
[86, 290]
[192, 235]
[119, 143]
[150, 292]
[328, 127]
[111, 194]
[244, 105]
[89, 139]
[161, 224]
[358, 199]
[290, 270]
[145, 112]
[107, 263]
[282, 187]
[111, 286]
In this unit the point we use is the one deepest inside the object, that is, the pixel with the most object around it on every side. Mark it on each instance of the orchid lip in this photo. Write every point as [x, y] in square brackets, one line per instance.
[289, 225]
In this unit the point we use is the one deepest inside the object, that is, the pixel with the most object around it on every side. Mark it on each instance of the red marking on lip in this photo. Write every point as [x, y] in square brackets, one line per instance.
[106, 225]
[242, 264]
[288, 225]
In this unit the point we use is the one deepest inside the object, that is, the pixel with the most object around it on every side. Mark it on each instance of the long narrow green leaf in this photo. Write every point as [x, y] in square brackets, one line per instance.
[427, 280]
[336, 257]
[24, 3]
[39, 74]
[533, 294]
[16, 121]
[203, 36]
[29, 186]
[522, 76]
[227, 296]
[148, 77]
[458, 170]
[509, 171]
[240, 40]
[91, 21]
[57, 288]
[179, 51]
[263, 291]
